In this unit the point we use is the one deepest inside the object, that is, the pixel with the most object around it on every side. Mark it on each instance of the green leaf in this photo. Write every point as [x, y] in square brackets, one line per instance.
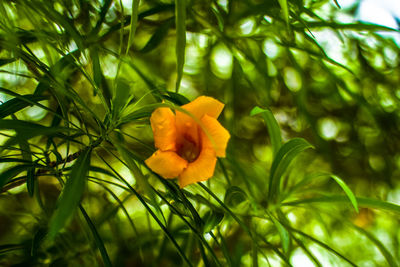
[307, 251]
[142, 112]
[16, 104]
[57, 115]
[27, 155]
[97, 239]
[323, 245]
[37, 240]
[141, 180]
[12, 172]
[158, 36]
[357, 26]
[234, 196]
[211, 219]
[66, 64]
[347, 190]
[134, 20]
[71, 193]
[176, 98]
[122, 96]
[103, 11]
[285, 10]
[385, 252]
[29, 130]
[5, 61]
[97, 74]
[281, 162]
[10, 247]
[283, 233]
[180, 23]
[364, 202]
[155, 217]
[272, 126]
[51, 14]
[4, 160]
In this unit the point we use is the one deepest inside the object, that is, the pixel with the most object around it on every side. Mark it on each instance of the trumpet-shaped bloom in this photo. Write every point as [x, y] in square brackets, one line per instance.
[188, 141]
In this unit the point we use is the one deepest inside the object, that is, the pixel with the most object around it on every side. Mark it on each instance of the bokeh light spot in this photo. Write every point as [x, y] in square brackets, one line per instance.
[222, 60]
[270, 48]
[292, 79]
[328, 128]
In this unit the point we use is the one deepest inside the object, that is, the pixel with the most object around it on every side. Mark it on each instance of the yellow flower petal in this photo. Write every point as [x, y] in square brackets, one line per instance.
[199, 170]
[166, 163]
[204, 105]
[164, 130]
[219, 135]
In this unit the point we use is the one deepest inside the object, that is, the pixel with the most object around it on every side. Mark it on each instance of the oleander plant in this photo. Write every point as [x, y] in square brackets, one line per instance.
[198, 133]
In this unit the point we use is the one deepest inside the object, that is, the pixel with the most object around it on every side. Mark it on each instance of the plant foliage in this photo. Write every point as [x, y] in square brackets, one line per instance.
[311, 94]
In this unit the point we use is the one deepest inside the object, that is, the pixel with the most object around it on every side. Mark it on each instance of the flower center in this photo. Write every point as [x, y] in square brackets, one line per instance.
[188, 149]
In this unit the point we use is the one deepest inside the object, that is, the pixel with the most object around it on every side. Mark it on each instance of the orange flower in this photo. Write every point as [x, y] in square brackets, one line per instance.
[186, 149]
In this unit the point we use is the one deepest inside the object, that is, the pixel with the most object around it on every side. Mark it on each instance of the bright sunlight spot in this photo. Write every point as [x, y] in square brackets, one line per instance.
[328, 128]
[246, 26]
[222, 60]
[292, 79]
[299, 259]
[270, 48]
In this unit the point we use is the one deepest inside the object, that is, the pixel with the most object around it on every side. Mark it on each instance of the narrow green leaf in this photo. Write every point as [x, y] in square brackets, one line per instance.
[281, 162]
[65, 64]
[38, 240]
[16, 104]
[57, 115]
[10, 247]
[234, 196]
[307, 251]
[30, 181]
[176, 210]
[155, 217]
[347, 190]
[71, 193]
[180, 23]
[134, 20]
[103, 11]
[228, 210]
[97, 76]
[27, 155]
[272, 126]
[285, 10]
[97, 239]
[29, 130]
[158, 36]
[211, 219]
[142, 112]
[254, 255]
[5, 61]
[140, 178]
[357, 26]
[323, 245]
[48, 10]
[176, 98]
[382, 248]
[364, 202]
[4, 160]
[121, 97]
[10, 173]
[283, 233]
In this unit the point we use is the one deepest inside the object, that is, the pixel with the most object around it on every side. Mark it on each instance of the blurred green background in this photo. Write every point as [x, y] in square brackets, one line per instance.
[79, 80]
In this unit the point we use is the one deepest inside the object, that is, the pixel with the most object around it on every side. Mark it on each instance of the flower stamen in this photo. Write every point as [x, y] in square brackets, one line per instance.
[188, 149]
